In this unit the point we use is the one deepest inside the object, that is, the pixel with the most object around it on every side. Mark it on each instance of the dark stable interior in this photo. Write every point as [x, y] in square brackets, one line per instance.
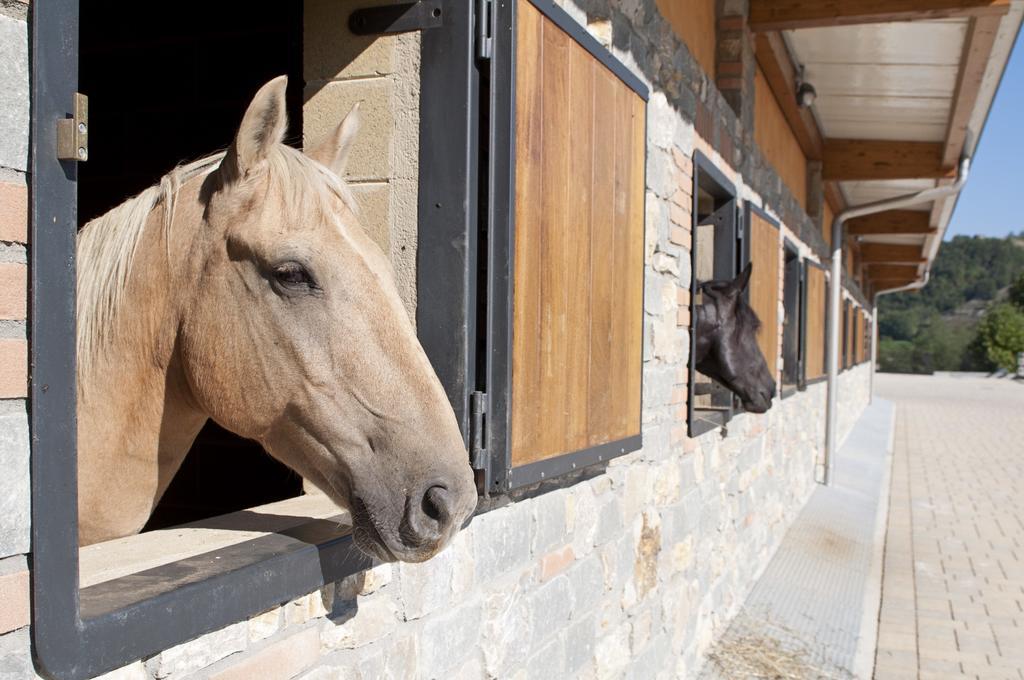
[171, 86]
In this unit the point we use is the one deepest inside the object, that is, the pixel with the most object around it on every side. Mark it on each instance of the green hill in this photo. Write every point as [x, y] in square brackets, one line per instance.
[935, 329]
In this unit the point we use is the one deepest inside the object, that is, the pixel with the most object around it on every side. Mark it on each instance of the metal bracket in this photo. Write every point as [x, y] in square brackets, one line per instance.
[478, 409]
[400, 18]
[484, 34]
[73, 133]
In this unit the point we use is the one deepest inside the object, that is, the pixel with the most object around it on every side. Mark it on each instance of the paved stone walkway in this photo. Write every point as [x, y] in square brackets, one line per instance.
[953, 582]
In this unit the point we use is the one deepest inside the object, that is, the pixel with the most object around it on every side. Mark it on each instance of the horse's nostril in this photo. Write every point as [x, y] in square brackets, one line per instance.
[436, 504]
[428, 516]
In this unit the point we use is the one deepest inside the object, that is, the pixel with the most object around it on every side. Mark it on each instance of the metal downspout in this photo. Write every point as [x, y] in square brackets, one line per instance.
[836, 293]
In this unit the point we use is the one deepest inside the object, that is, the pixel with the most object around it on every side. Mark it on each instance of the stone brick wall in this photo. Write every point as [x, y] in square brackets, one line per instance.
[382, 76]
[14, 436]
[630, 571]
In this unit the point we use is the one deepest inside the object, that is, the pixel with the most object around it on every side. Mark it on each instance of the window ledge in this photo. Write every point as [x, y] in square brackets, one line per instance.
[102, 562]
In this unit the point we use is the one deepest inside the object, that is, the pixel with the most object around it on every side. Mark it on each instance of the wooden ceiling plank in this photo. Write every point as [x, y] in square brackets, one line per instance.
[890, 252]
[779, 15]
[892, 271]
[879, 159]
[891, 222]
[981, 38]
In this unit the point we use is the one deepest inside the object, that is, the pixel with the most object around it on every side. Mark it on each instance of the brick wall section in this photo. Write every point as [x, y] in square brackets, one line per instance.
[15, 658]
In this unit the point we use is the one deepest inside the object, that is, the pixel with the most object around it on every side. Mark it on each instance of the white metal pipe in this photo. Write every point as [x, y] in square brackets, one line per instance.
[836, 293]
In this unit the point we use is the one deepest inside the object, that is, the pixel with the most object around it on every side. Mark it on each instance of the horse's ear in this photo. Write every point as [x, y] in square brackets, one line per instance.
[332, 151]
[263, 126]
[741, 282]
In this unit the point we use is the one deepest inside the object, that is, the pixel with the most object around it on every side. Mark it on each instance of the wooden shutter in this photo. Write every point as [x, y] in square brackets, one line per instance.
[816, 310]
[764, 250]
[576, 240]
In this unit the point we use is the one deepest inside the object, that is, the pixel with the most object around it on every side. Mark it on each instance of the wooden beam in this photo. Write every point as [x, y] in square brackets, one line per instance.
[835, 198]
[891, 222]
[780, 15]
[780, 72]
[891, 252]
[866, 159]
[888, 284]
[892, 271]
[981, 36]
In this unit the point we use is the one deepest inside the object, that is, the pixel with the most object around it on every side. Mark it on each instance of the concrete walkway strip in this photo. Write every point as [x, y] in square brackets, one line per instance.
[814, 611]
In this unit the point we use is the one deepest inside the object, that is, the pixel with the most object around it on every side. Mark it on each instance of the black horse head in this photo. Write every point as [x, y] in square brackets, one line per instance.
[726, 343]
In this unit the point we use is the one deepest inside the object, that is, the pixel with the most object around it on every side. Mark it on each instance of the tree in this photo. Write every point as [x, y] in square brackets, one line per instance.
[1017, 292]
[1001, 335]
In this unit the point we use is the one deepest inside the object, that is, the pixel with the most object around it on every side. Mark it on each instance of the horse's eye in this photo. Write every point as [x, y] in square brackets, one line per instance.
[293, 275]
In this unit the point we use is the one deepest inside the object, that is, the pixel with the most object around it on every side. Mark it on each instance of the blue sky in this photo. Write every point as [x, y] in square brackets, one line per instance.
[992, 203]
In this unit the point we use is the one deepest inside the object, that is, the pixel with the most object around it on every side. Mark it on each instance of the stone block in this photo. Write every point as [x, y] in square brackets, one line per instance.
[281, 660]
[135, 671]
[580, 642]
[13, 290]
[15, 491]
[332, 52]
[371, 620]
[507, 542]
[14, 83]
[551, 605]
[587, 580]
[581, 505]
[266, 624]
[13, 212]
[201, 652]
[311, 606]
[609, 521]
[13, 367]
[14, 601]
[402, 660]
[449, 640]
[548, 662]
[548, 518]
[613, 655]
[374, 201]
[506, 627]
[16, 656]
[555, 562]
[371, 155]
[428, 586]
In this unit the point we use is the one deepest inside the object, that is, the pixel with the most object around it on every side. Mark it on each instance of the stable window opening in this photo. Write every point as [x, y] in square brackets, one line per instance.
[714, 257]
[178, 109]
[793, 330]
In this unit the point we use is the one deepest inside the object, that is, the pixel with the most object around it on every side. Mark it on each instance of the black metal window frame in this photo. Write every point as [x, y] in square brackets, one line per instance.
[498, 472]
[794, 313]
[707, 176]
[804, 382]
[83, 632]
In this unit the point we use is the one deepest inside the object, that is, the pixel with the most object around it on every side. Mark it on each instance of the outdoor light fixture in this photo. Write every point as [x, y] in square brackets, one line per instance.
[805, 92]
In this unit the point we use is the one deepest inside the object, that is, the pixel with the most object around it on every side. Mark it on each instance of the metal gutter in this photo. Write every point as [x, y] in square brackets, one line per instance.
[836, 291]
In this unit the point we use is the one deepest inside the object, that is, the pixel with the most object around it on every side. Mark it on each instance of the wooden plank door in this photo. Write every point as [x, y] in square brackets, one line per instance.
[577, 244]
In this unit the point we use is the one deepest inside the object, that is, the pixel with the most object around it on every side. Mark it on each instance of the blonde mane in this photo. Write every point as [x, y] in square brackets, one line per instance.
[107, 246]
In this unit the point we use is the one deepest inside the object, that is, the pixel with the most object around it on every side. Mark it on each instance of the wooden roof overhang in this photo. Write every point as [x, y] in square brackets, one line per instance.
[902, 84]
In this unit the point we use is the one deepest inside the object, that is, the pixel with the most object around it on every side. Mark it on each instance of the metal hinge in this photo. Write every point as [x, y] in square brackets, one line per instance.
[484, 34]
[73, 133]
[478, 411]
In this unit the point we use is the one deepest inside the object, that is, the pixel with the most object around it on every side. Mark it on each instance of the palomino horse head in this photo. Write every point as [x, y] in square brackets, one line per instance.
[726, 343]
[296, 337]
[263, 304]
